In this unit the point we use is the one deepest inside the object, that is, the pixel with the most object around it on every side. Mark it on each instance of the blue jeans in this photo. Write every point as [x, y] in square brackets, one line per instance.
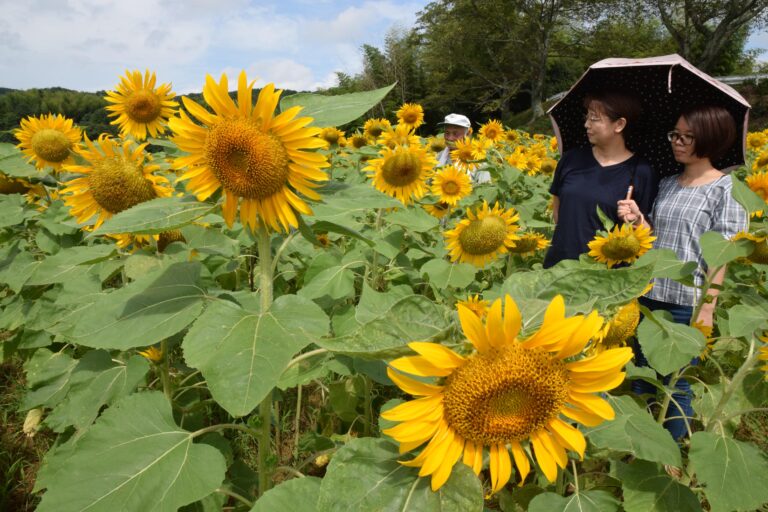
[679, 409]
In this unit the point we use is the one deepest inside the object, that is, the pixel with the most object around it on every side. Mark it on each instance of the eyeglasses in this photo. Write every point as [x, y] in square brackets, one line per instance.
[592, 118]
[683, 138]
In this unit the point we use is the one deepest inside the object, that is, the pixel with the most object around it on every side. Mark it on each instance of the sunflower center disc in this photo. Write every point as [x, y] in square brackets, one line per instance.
[247, 161]
[622, 326]
[401, 169]
[117, 184]
[622, 248]
[450, 188]
[410, 117]
[483, 236]
[504, 396]
[375, 130]
[760, 253]
[51, 145]
[143, 106]
[525, 244]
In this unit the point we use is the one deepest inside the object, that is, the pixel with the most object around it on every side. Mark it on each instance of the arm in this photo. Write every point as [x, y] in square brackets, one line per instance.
[707, 310]
[555, 208]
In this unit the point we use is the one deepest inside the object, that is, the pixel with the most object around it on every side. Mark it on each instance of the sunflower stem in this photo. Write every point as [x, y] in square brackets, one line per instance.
[741, 373]
[703, 298]
[296, 423]
[368, 425]
[165, 371]
[575, 475]
[375, 259]
[265, 407]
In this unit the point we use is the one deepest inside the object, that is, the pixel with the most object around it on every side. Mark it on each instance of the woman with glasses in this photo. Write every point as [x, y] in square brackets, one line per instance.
[598, 176]
[687, 205]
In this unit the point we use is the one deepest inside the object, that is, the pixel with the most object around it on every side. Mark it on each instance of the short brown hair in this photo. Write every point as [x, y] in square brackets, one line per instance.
[615, 105]
[714, 130]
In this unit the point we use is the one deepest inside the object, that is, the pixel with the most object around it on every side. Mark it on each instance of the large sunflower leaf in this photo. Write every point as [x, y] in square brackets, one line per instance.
[133, 458]
[666, 264]
[96, 381]
[366, 475]
[242, 354]
[634, 431]
[746, 197]
[733, 472]
[14, 163]
[336, 282]
[67, 262]
[156, 216]
[335, 110]
[443, 274]
[12, 211]
[717, 251]
[744, 320]
[345, 204]
[413, 219]
[648, 488]
[48, 375]
[297, 494]
[667, 345]
[142, 313]
[584, 501]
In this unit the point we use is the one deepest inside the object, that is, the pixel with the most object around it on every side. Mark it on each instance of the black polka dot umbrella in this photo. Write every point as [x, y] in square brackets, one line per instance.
[665, 86]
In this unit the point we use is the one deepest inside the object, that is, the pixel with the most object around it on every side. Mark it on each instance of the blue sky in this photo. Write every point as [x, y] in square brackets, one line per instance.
[297, 44]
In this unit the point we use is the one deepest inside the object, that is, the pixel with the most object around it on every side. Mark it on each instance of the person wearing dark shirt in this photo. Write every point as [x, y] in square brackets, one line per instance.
[599, 176]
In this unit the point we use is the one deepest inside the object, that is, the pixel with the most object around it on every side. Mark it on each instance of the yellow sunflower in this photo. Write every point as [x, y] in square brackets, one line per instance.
[512, 136]
[332, 136]
[139, 107]
[154, 354]
[323, 240]
[438, 210]
[619, 328]
[48, 140]
[760, 252]
[529, 243]
[547, 166]
[761, 161]
[553, 144]
[115, 178]
[492, 130]
[481, 237]
[402, 172]
[764, 355]
[10, 185]
[358, 140]
[257, 158]
[411, 114]
[436, 144]
[518, 158]
[706, 330]
[463, 155]
[451, 185]
[507, 394]
[373, 128]
[400, 135]
[475, 304]
[622, 245]
[756, 140]
[758, 183]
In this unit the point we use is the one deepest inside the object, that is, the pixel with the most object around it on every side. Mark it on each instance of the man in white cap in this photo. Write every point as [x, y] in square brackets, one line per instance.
[458, 127]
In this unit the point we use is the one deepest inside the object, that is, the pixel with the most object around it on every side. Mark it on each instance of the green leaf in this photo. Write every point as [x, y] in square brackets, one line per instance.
[666, 264]
[210, 241]
[139, 314]
[744, 320]
[155, 216]
[634, 431]
[243, 354]
[336, 282]
[366, 475]
[746, 197]
[344, 204]
[299, 494]
[15, 164]
[733, 472]
[331, 227]
[648, 488]
[667, 345]
[17, 268]
[133, 458]
[412, 318]
[443, 274]
[584, 501]
[718, 251]
[48, 376]
[12, 210]
[335, 110]
[96, 381]
[413, 219]
[372, 303]
[68, 262]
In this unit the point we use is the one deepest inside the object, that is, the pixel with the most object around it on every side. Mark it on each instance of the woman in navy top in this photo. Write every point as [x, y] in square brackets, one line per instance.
[598, 176]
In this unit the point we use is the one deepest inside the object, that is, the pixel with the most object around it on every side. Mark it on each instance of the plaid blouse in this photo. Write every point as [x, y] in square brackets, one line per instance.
[679, 217]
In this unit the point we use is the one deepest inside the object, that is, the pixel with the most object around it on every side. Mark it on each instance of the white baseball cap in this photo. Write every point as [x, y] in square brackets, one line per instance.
[457, 120]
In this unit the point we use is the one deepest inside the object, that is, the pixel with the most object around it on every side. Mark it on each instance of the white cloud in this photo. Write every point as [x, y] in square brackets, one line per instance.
[284, 73]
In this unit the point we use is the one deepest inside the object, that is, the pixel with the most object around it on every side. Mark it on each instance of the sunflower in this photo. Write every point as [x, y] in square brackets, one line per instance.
[400, 135]
[529, 243]
[48, 140]
[451, 185]
[518, 158]
[481, 237]
[533, 164]
[758, 183]
[10, 185]
[411, 115]
[507, 394]
[764, 355]
[402, 172]
[547, 166]
[153, 354]
[553, 144]
[475, 304]
[332, 136]
[463, 155]
[254, 156]
[760, 252]
[436, 144]
[512, 136]
[141, 108]
[438, 210]
[492, 130]
[622, 245]
[323, 240]
[619, 328]
[373, 128]
[756, 140]
[116, 177]
[358, 140]
[706, 330]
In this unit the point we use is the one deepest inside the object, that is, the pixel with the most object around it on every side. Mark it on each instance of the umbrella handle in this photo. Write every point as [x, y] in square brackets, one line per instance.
[629, 192]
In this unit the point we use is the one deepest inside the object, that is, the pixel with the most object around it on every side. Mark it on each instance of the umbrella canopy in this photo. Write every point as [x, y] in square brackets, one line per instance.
[665, 86]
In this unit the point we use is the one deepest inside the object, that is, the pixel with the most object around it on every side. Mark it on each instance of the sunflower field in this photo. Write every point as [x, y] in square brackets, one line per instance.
[237, 306]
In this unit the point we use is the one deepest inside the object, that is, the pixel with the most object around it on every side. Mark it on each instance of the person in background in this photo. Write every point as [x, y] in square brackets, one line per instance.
[458, 127]
[687, 205]
[598, 176]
